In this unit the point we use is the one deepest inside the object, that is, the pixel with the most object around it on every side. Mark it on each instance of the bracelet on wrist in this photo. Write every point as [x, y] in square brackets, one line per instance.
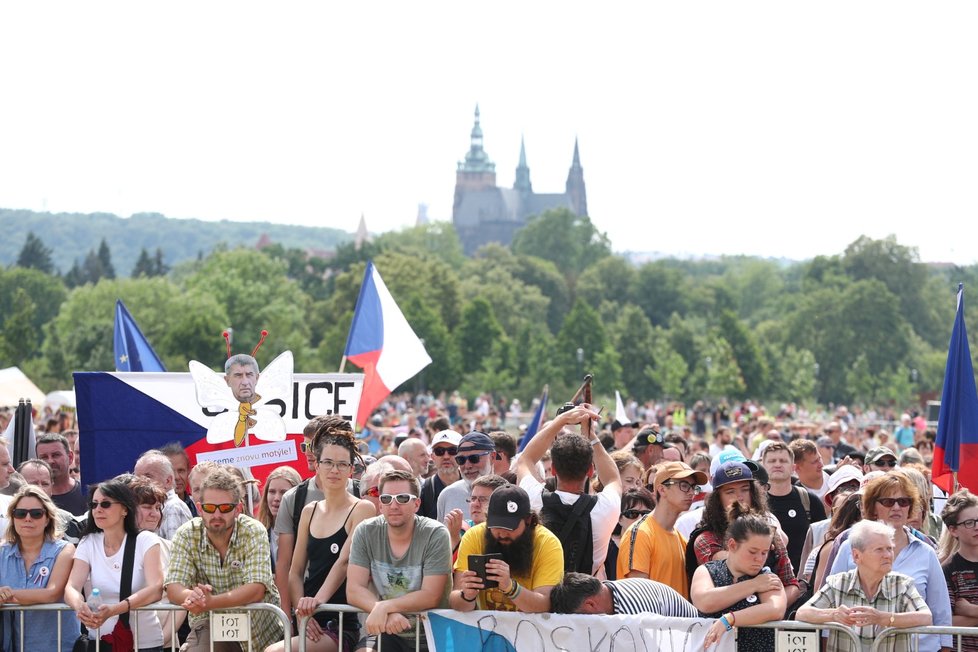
[474, 597]
[128, 606]
[726, 623]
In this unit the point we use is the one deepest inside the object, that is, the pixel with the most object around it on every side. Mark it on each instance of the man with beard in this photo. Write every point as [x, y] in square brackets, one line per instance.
[476, 454]
[531, 558]
[219, 560]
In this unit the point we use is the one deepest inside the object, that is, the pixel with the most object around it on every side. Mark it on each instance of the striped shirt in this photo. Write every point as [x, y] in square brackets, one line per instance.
[640, 596]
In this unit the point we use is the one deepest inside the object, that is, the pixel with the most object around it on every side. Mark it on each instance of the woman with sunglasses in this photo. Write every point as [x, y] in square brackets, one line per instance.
[891, 498]
[34, 567]
[322, 551]
[635, 503]
[112, 519]
[277, 483]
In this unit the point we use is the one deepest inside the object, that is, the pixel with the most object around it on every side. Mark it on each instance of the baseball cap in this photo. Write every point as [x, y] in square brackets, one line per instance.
[678, 470]
[479, 441]
[508, 505]
[648, 436]
[446, 437]
[731, 472]
[843, 474]
[731, 454]
[616, 425]
[878, 453]
[377, 421]
[824, 442]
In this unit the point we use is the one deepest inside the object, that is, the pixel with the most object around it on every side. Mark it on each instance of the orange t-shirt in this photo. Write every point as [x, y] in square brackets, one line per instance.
[646, 547]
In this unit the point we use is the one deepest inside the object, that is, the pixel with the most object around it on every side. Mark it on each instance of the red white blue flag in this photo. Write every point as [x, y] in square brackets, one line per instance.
[956, 448]
[382, 343]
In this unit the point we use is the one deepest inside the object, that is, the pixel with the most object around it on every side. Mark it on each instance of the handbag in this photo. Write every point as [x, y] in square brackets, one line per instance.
[120, 639]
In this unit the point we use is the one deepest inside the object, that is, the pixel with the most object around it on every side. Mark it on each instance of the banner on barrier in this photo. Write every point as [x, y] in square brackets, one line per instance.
[506, 631]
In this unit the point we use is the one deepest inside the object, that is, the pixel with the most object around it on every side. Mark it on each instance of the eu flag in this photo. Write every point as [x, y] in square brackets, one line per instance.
[132, 351]
[956, 448]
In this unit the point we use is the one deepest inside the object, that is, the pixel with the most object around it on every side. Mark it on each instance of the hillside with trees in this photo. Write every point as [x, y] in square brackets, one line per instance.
[870, 325]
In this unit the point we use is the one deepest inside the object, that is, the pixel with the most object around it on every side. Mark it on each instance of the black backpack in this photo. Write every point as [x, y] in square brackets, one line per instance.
[572, 525]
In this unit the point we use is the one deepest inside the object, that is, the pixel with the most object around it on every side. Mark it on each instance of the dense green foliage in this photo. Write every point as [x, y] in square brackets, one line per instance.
[870, 325]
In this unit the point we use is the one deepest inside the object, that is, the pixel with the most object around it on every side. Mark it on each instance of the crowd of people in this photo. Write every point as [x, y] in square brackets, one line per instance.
[768, 518]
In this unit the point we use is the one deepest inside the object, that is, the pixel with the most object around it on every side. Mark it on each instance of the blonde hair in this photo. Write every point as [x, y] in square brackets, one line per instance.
[52, 530]
[286, 473]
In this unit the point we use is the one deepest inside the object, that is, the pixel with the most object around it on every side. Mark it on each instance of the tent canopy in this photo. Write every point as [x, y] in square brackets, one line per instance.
[14, 385]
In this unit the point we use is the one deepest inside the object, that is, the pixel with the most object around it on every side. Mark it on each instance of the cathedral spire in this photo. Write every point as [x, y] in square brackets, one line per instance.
[575, 183]
[476, 159]
[523, 172]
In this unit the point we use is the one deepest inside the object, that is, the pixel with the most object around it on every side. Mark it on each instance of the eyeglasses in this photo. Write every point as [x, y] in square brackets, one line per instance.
[635, 513]
[75, 469]
[889, 463]
[402, 499]
[684, 486]
[35, 514]
[471, 459]
[445, 450]
[225, 508]
[343, 467]
[303, 447]
[104, 504]
[481, 500]
[902, 501]
[970, 524]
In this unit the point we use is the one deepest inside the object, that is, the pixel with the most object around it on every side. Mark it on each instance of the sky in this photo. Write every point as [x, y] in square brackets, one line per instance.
[780, 129]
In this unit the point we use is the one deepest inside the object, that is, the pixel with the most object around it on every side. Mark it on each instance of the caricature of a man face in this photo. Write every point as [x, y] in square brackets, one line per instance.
[242, 378]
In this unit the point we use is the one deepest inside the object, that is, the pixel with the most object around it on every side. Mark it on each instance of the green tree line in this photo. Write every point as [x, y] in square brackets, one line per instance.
[870, 325]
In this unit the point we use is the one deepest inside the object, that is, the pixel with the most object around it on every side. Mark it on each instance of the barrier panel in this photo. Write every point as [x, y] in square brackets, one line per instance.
[234, 627]
[881, 643]
[447, 630]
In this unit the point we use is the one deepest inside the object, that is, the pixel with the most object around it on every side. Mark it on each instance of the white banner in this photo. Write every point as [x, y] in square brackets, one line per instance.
[501, 631]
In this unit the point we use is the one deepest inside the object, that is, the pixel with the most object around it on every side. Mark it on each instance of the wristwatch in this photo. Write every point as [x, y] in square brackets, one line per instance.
[892, 618]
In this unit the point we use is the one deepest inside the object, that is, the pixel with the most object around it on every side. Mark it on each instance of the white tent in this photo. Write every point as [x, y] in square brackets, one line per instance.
[14, 385]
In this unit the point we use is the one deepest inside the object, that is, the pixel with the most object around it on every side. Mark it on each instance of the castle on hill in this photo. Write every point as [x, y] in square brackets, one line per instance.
[483, 212]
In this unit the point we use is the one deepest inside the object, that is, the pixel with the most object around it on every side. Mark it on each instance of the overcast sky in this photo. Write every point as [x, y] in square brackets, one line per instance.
[764, 128]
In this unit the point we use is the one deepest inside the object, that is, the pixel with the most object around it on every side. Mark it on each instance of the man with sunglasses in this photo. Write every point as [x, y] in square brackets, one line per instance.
[476, 454]
[219, 560]
[880, 458]
[651, 548]
[444, 448]
[399, 563]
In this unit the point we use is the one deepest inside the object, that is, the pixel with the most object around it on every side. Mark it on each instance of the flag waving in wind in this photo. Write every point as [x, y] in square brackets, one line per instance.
[132, 351]
[956, 448]
[382, 343]
[537, 421]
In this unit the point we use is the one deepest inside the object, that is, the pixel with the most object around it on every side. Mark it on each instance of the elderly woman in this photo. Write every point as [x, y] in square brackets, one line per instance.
[34, 568]
[871, 596]
[891, 499]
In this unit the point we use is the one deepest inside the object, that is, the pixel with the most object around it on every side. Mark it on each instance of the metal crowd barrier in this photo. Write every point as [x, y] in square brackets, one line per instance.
[347, 615]
[75, 630]
[917, 632]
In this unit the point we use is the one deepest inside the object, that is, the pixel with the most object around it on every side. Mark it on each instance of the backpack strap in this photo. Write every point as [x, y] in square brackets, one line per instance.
[125, 585]
[631, 540]
[806, 501]
[301, 491]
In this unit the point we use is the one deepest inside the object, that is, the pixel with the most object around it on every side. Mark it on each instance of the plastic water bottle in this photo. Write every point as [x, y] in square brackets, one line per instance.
[94, 600]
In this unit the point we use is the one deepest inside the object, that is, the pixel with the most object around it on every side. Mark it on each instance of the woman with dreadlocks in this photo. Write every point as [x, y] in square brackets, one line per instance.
[322, 549]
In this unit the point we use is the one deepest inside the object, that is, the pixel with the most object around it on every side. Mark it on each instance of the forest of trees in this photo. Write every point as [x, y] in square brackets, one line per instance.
[868, 326]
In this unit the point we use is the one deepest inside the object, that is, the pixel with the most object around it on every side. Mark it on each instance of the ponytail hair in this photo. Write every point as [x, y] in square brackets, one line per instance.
[745, 522]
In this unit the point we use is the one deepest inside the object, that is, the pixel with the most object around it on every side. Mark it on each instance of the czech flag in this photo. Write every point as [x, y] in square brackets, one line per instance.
[132, 350]
[382, 343]
[956, 448]
[537, 421]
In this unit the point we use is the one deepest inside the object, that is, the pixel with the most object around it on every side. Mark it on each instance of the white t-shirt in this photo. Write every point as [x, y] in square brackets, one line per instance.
[604, 516]
[106, 575]
[824, 488]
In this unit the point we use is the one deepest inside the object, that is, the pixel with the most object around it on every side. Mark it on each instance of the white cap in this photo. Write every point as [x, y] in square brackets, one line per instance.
[446, 437]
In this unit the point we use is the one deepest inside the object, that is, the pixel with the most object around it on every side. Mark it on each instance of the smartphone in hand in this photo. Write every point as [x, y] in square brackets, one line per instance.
[477, 563]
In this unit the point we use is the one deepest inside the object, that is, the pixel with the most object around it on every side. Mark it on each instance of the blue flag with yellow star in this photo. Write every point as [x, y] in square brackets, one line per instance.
[132, 351]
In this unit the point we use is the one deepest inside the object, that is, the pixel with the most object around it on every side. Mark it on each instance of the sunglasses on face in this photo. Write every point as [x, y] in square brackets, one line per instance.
[402, 499]
[35, 514]
[372, 491]
[635, 513]
[225, 508]
[889, 463]
[439, 452]
[471, 459]
[970, 524]
[104, 504]
[903, 501]
[481, 500]
[303, 447]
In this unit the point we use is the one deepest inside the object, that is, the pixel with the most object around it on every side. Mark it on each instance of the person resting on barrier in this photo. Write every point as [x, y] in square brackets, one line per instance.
[399, 564]
[34, 567]
[740, 590]
[870, 597]
[219, 561]
[959, 557]
[519, 560]
[578, 593]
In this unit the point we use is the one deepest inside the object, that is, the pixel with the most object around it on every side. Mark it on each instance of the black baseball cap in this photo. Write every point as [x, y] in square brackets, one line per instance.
[508, 505]
[647, 437]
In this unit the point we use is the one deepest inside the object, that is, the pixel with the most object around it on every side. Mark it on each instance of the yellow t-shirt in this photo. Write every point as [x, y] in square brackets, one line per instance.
[660, 554]
[547, 569]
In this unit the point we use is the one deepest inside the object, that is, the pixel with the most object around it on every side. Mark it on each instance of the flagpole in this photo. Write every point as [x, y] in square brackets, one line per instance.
[342, 364]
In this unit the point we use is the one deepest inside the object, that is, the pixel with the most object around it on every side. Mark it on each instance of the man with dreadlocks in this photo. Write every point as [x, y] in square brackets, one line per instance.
[322, 551]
